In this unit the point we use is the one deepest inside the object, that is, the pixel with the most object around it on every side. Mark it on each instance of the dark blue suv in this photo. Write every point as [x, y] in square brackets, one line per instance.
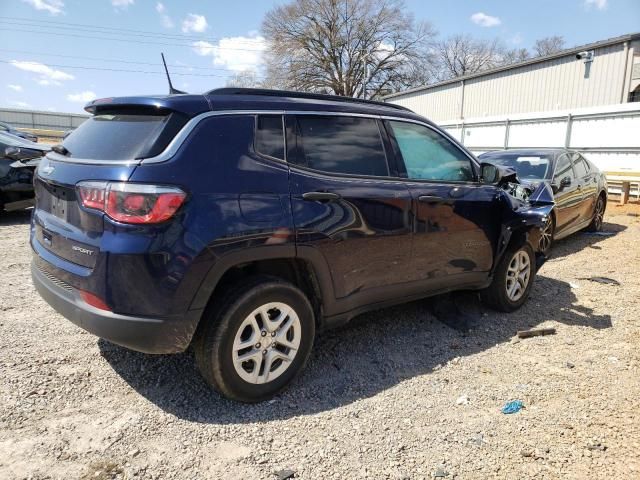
[242, 221]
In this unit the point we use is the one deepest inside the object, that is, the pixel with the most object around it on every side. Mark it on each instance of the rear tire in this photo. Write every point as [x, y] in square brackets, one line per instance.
[598, 215]
[512, 281]
[256, 340]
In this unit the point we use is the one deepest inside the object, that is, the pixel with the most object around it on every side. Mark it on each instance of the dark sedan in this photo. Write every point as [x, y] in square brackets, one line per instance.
[18, 161]
[580, 189]
[6, 128]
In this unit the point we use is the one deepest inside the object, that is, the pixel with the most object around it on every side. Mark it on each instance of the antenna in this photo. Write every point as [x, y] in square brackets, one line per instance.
[171, 89]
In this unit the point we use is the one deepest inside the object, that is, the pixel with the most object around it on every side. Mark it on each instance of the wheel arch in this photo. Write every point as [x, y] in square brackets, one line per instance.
[308, 271]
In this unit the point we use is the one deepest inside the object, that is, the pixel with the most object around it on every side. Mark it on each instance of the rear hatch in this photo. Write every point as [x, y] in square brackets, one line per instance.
[105, 148]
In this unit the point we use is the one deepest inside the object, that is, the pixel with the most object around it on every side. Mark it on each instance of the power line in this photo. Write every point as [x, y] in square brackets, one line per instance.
[118, 31]
[121, 34]
[102, 27]
[112, 60]
[79, 67]
[125, 40]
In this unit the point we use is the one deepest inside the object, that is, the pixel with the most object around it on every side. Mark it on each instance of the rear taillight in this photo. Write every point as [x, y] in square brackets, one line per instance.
[131, 202]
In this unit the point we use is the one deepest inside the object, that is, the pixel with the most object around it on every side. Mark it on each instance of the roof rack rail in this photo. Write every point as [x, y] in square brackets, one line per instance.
[291, 94]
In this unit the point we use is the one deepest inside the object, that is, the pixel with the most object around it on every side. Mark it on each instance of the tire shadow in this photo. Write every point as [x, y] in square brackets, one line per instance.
[582, 239]
[375, 352]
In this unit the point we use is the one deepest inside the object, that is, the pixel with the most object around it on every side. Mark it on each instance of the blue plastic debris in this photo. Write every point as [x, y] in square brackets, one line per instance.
[513, 406]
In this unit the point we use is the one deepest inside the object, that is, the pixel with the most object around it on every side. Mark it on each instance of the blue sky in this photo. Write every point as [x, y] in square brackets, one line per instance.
[41, 41]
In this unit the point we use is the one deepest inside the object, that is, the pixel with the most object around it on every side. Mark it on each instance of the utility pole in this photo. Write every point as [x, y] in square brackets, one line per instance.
[365, 73]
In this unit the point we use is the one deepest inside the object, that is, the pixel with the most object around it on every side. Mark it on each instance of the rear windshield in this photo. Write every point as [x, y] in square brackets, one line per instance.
[116, 136]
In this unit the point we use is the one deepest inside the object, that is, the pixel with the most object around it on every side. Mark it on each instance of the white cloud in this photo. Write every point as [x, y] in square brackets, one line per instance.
[599, 4]
[54, 7]
[485, 20]
[46, 74]
[164, 16]
[194, 23]
[121, 3]
[15, 88]
[82, 97]
[234, 53]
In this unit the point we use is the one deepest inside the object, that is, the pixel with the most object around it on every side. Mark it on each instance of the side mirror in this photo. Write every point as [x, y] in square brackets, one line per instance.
[489, 174]
[565, 182]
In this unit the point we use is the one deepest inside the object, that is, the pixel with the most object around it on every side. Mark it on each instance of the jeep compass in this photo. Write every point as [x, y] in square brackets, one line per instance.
[242, 221]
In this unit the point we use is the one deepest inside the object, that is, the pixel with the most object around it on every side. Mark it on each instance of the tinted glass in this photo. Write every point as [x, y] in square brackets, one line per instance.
[526, 166]
[585, 162]
[115, 137]
[270, 136]
[428, 155]
[581, 169]
[563, 169]
[342, 145]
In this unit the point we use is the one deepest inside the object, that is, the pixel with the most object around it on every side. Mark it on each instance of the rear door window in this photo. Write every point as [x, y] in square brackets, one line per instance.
[116, 136]
[270, 136]
[578, 164]
[342, 144]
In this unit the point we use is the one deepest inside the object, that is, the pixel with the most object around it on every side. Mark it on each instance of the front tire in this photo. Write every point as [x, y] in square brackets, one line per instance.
[512, 281]
[257, 340]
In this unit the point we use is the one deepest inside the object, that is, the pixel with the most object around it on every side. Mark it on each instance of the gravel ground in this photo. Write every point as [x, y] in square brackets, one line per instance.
[404, 393]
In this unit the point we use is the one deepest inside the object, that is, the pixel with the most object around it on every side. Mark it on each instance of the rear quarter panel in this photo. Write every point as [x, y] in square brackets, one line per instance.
[237, 201]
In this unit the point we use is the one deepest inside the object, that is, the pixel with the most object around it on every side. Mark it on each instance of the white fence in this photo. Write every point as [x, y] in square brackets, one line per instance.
[609, 136]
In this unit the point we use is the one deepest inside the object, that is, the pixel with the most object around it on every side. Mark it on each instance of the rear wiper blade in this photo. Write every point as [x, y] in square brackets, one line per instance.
[61, 149]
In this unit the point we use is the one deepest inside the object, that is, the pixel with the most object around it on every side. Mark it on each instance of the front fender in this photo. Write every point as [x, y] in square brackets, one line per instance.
[523, 220]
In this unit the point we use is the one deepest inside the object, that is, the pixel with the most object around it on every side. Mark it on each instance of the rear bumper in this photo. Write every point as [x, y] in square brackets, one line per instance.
[147, 335]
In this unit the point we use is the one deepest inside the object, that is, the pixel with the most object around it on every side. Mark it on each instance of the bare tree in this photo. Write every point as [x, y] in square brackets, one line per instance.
[548, 46]
[337, 46]
[244, 79]
[463, 55]
[515, 55]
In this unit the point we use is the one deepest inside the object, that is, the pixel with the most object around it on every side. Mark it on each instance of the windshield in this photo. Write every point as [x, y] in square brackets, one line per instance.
[115, 136]
[527, 167]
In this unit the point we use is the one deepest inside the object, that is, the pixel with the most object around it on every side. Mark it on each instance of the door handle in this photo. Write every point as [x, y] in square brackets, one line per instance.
[321, 196]
[431, 199]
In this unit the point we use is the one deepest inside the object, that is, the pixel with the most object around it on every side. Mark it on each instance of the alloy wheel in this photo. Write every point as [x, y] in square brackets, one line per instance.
[546, 236]
[266, 343]
[518, 275]
[598, 214]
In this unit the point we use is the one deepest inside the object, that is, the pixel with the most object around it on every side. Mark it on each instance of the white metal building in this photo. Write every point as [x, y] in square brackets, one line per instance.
[586, 98]
[607, 73]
